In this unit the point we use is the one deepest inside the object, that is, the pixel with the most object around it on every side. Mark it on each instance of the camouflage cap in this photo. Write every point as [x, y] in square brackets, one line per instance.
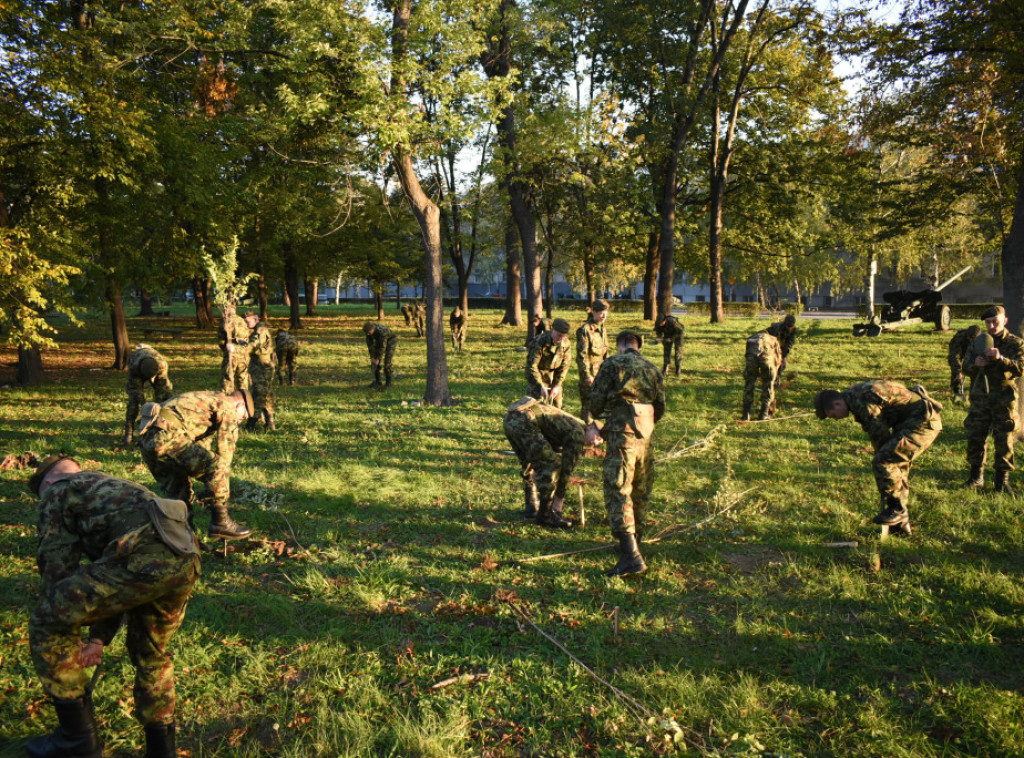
[41, 470]
[149, 367]
[599, 305]
[789, 321]
[995, 310]
[629, 334]
[368, 327]
[560, 325]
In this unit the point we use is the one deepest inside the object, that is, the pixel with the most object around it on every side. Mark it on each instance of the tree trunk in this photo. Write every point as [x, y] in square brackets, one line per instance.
[261, 289]
[666, 238]
[337, 290]
[122, 349]
[312, 286]
[378, 301]
[30, 366]
[549, 283]
[588, 275]
[651, 277]
[286, 298]
[291, 291]
[1013, 279]
[201, 298]
[145, 304]
[715, 248]
[799, 294]
[513, 285]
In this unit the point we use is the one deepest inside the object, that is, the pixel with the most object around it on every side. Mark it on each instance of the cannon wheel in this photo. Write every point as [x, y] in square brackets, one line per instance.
[943, 318]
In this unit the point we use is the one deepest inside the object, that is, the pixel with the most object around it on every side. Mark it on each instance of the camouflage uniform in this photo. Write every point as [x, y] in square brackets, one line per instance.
[994, 402]
[178, 446]
[538, 433]
[786, 337]
[381, 345]
[763, 360]
[591, 350]
[287, 348]
[630, 391]
[140, 368]
[234, 367]
[262, 365]
[421, 319]
[958, 347]
[902, 424]
[407, 311]
[547, 364]
[132, 575]
[670, 332]
[457, 322]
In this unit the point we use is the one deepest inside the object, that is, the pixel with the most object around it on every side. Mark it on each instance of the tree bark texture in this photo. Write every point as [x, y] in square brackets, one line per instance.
[513, 285]
[312, 286]
[291, 288]
[30, 366]
[145, 304]
[118, 327]
[1013, 280]
[201, 298]
[651, 277]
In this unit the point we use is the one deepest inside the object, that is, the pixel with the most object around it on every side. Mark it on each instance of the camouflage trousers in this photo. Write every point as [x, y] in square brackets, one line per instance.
[458, 338]
[262, 393]
[234, 372]
[956, 381]
[286, 358]
[175, 460]
[995, 413]
[150, 588]
[674, 344]
[891, 464]
[533, 390]
[628, 478]
[766, 369]
[540, 462]
[137, 397]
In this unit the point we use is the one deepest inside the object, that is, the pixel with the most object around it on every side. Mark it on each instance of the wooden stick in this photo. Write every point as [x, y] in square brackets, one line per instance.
[463, 679]
[777, 418]
[583, 511]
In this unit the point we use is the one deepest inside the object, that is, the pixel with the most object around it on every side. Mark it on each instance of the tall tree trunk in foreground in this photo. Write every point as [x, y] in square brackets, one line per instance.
[1013, 280]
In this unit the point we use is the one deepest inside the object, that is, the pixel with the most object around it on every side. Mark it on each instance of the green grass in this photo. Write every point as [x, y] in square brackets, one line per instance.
[750, 633]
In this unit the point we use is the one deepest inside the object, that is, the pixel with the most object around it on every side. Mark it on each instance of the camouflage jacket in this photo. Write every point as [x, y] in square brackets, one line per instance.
[547, 362]
[562, 430]
[626, 378]
[457, 321]
[285, 342]
[378, 341]
[1001, 374]
[232, 329]
[197, 416]
[882, 406]
[261, 347]
[591, 348]
[88, 515]
[670, 330]
[786, 337]
[141, 353]
[958, 347]
[763, 345]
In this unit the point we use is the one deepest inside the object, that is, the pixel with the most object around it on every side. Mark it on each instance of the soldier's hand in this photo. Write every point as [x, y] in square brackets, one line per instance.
[590, 380]
[981, 361]
[375, 361]
[592, 437]
[993, 354]
[92, 654]
[555, 391]
[545, 393]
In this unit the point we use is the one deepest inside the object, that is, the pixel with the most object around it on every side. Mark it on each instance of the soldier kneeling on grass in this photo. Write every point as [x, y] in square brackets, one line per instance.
[143, 564]
[901, 423]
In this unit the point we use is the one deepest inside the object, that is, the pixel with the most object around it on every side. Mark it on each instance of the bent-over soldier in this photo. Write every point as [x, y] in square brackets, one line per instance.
[670, 332]
[233, 337]
[407, 311]
[785, 332]
[381, 343]
[421, 319]
[629, 392]
[591, 350]
[994, 372]
[548, 443]
[145, 366]
[177, 438]
[547, 363]
[901, 423]
[763, 361]
[143, 561]
[958, 347]
[457, 322]
[287, 348]
[262, 365]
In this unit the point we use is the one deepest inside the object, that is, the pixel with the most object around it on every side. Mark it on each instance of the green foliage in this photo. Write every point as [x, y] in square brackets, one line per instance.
[30, 287]
[222, 270]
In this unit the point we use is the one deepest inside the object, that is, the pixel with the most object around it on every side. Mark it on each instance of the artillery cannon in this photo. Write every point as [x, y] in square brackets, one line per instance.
[905, 308]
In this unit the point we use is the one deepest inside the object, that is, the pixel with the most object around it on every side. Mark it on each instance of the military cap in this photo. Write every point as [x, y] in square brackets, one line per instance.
[995, 310]
[249, 407]
[41, 470]
[629, 334]
[824, 400]
[368, 327]
[149, 367]
[560, 325]
[789, 321]
[599, 305]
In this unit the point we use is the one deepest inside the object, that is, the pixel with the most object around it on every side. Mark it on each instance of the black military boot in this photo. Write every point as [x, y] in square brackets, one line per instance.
[746, 411]
[75, 736]
[223, 527]
[270, 425]
[976, 479]
[160, 741]
[630, 560]
[129, 433]
[893, 513]
[387, 378]
[1002, 483]
[532, 500]
[376, 377]
[551, 516]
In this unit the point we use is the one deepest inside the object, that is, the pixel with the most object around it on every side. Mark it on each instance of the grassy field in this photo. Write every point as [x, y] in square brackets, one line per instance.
[749, 636]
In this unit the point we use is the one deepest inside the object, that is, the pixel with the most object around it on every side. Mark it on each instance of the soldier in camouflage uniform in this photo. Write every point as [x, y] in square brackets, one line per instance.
[547, 363]
[763, 361]
[958, 347]
[233, 337]
[785, 332]
[901, 423]
[994, 376]
[176, 439]
[421, 319]
[262, 365]
[145, 365]
[457, 322]
[591, 350]
[381, 343]
[670, 332]
[407, 313]
[629, 392]
[548, 443]
[287, 348]
[143, 564]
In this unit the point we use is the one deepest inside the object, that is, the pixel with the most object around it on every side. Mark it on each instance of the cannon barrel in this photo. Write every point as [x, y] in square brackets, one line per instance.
[953, 278]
